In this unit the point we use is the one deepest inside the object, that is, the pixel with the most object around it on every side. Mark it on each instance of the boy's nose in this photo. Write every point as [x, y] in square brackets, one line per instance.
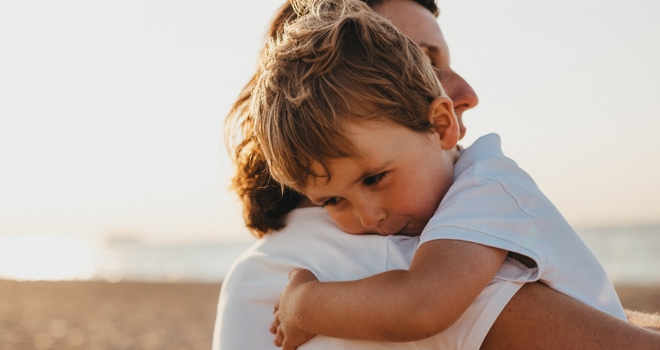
[370, 216]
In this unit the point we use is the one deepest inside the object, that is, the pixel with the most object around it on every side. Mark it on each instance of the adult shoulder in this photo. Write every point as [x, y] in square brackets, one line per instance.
[312, 241]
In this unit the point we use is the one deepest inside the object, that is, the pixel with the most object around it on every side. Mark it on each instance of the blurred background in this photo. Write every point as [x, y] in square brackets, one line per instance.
[113, 169]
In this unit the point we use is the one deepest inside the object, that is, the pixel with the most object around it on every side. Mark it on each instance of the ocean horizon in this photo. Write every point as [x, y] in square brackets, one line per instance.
[628, 254]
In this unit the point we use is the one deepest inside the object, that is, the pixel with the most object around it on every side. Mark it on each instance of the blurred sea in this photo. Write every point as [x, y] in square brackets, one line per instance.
[631, 256]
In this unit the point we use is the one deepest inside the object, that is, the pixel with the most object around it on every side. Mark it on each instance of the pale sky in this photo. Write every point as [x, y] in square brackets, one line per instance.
[111, 112]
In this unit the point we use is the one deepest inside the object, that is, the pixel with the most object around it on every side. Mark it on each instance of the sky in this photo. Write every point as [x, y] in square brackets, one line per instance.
[111, 112]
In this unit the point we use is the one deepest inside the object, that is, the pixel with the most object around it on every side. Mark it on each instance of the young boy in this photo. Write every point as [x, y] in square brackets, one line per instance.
[349, 112]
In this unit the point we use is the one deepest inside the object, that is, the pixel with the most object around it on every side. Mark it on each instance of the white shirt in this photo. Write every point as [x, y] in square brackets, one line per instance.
[311, 240]
[495, 203]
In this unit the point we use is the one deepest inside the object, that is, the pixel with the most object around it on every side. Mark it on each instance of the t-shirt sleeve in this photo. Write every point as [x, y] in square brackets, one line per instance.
[486, 211]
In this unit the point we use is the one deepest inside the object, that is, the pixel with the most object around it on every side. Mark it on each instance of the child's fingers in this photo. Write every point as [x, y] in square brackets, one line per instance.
[275, 325]
[279, 337]
[298, 276]
[292, 272]
[288, 346]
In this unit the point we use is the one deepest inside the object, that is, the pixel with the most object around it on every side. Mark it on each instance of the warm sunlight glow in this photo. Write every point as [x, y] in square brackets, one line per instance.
[46, 257]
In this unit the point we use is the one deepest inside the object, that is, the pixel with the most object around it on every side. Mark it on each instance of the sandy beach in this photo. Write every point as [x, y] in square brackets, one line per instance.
[100, 315]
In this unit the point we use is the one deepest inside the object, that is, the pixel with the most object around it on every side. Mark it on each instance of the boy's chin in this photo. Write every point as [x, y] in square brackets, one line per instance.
[409, 233]
[411, 229]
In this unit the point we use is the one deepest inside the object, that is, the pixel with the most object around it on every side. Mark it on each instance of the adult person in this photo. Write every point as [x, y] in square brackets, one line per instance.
[309, 239]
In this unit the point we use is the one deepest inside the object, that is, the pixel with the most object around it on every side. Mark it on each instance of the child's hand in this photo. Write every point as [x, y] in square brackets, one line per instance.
[286, 326]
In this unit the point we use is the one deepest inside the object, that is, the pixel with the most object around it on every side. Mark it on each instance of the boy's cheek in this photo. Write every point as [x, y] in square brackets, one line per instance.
[356, 229]
[349, 223]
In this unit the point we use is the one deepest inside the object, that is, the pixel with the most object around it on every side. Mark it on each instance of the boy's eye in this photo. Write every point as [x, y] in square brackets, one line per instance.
[330, 202]
[373, 179]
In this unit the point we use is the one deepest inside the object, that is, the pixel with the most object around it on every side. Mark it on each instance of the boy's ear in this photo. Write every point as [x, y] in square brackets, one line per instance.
[445, 124]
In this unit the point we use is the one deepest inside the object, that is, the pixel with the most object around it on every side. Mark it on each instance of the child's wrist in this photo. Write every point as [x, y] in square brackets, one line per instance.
[306, 294]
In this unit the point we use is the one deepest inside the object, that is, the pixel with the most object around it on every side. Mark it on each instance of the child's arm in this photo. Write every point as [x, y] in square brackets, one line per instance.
[445, 277]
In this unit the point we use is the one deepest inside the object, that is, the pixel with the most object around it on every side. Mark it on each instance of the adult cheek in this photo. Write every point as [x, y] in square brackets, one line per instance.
[461, 93]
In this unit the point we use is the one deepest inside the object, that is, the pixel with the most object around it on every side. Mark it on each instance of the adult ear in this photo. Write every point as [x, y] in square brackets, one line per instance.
[445, 124]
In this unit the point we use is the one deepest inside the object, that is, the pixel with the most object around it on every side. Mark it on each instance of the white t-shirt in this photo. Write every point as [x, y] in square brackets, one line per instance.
[495, 203]
[311, 240]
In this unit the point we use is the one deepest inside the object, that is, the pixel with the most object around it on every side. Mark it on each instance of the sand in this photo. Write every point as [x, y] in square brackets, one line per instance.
[100, 315]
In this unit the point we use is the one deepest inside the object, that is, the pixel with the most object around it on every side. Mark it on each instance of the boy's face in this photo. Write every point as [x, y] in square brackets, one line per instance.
[393, 187]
